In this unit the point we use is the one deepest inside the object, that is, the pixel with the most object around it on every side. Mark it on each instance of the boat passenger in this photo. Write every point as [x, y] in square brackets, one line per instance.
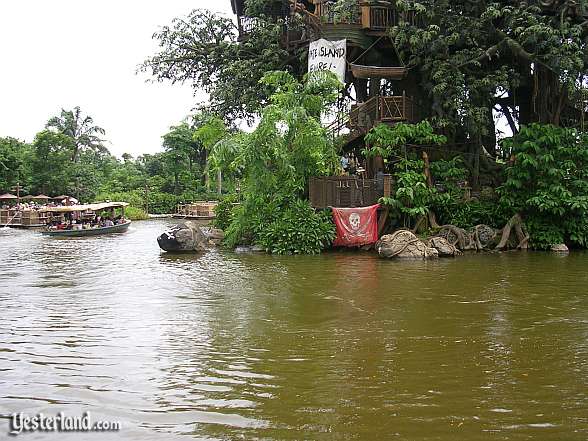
[108, 223]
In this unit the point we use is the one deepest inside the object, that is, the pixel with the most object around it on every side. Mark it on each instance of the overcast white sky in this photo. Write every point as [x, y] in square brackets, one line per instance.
[62, 53]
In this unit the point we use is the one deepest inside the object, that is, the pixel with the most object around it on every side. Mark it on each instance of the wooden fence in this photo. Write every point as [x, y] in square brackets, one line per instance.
[347, 191]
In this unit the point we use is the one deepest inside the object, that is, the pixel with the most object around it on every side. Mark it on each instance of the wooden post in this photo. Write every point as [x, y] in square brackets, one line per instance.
[387, 186]
[382, 220]
[365, 17]
[379, 108]
[17, 188]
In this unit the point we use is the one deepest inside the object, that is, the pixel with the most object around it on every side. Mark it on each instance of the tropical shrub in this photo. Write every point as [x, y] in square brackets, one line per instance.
[224, 212]
[548, 184]
[386, 141]
[288, 147]
[135, 198]
[295, 229]
[134, 213]
[412, 196]
[468, 214]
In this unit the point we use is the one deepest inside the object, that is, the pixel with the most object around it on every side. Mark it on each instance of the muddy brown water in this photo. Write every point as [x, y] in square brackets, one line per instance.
[341, 346]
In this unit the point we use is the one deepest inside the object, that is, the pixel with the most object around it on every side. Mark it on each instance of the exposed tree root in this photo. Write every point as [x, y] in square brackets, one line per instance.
[515, 222]
[482, 237]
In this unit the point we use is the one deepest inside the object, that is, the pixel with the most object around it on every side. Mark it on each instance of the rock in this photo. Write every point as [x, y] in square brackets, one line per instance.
[184, 238]
[560, 248]
[249, 249]
[214, 235]
[404, 244]
[443, 247]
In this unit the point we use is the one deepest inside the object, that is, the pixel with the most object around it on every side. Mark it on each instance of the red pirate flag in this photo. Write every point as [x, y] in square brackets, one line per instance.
[356, 226]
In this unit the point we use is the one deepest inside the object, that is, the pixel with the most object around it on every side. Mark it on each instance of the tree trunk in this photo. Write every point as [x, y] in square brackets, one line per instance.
[476, 151]
[489, 140]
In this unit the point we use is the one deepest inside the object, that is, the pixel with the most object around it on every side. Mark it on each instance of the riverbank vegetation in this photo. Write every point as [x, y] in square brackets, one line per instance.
[499, 141]
[478, 71]
[70, 157]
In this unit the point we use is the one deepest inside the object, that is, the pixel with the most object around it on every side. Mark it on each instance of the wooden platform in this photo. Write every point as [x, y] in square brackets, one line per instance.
[199, 210]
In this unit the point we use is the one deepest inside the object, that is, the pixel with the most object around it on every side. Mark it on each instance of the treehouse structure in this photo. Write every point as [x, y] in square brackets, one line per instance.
[379, 89]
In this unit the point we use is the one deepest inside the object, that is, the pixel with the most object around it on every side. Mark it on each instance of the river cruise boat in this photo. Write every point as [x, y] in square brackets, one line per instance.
[86, 220]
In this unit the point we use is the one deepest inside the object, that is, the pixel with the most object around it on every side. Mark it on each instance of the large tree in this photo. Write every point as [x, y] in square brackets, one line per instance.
[13, 163]
[526, 60]
[203, 50]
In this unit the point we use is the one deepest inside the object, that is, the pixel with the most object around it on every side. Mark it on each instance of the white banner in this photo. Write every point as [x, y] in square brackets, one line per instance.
[328, 55]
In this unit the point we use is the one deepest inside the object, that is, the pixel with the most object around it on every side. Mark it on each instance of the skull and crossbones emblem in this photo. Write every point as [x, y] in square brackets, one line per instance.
[354, 221]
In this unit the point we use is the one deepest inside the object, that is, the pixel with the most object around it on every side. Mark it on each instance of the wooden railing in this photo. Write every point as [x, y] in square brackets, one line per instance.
[396, 108]
[379, 18]
[326, 14]
[381, 109]
[372, 16]
[376, 16]
[346, 191]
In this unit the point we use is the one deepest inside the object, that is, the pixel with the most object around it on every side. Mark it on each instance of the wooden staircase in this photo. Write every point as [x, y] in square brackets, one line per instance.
[377, 110]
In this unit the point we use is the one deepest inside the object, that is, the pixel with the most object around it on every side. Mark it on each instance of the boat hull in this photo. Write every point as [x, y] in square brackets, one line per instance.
[91, 232]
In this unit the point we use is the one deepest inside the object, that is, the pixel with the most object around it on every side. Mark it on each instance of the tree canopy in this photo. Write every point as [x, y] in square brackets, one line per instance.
[526, 60]
[69, 157]
[80, 130]
[203, 50]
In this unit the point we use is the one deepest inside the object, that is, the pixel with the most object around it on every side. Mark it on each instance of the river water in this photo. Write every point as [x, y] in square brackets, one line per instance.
[342, 346]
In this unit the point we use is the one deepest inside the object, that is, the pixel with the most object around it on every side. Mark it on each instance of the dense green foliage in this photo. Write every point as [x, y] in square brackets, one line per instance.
[386, 141]
[68, 157]
[548, 184]
[523, 59]
[288, 146]
[135, 213]
[14, 162]
[412, 197]
[224, 212]
[294, 228]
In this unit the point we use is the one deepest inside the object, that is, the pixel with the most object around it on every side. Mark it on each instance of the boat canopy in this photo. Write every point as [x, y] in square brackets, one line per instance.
[85, 207]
